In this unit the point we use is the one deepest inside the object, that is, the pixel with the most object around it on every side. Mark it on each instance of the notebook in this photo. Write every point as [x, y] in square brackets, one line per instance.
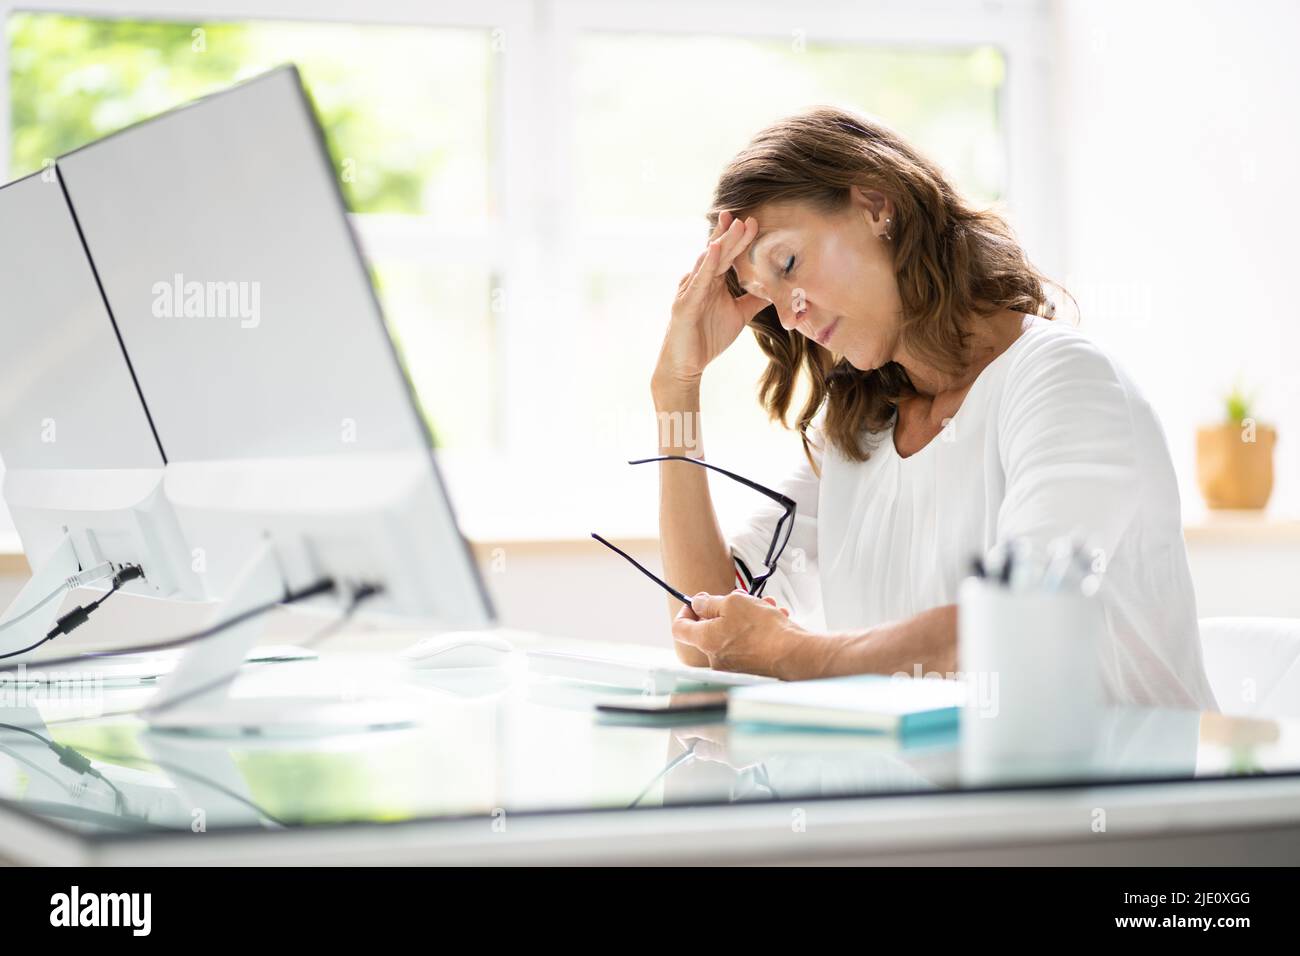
[871, 702]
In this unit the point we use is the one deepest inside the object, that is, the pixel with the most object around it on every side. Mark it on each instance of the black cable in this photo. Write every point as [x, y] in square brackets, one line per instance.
[324, 586]
[684, 757]
[26, 730]
[196, 777]
[78, 763]
[360, 596]
[79, 615]
[34, 766]
[70, 583]
[58, 592]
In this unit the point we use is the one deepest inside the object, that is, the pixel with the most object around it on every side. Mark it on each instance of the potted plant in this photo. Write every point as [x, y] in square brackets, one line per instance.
[1234, 459]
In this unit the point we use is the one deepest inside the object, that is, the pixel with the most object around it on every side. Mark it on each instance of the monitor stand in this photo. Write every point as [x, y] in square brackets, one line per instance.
[57, 567]
[181, 705]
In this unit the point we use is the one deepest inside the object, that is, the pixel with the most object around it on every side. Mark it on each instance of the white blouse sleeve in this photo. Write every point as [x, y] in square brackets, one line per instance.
[795, 583]
[1066, 438]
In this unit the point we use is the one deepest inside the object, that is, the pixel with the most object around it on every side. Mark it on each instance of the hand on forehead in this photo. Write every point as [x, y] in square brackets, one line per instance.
[775, 224]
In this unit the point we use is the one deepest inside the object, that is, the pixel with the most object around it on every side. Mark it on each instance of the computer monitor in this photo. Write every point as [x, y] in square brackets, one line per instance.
[295, 447]
[83, 470]
[221, 239]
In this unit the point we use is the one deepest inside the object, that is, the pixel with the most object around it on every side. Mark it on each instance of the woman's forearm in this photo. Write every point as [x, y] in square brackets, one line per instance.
[926, 642]
[692, 547]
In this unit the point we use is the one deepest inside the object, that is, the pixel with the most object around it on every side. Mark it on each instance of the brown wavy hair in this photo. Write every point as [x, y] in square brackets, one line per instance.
[952, 261]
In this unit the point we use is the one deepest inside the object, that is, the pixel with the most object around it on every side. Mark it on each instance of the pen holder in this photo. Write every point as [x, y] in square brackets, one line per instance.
[1031, 663]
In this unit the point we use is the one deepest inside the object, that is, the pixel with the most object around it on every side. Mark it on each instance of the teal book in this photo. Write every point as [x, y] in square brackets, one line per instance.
[865, 702]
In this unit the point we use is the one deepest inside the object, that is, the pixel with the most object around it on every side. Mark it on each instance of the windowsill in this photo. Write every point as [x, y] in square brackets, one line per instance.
[1213, 527]
[1240, 527]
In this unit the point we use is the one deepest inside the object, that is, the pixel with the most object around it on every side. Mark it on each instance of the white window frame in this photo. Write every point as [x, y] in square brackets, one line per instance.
[534, 245]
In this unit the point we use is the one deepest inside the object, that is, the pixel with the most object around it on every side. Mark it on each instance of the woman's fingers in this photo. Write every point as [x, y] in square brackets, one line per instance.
[772, 601]
[704, 273]
[737, 239]
[729, 239]
[686, 279]
[691, 279]
[724, 223]
[734, 241]
[688, 628]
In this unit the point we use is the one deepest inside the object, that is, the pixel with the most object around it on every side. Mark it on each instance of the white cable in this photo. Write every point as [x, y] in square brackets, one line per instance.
[78, 580]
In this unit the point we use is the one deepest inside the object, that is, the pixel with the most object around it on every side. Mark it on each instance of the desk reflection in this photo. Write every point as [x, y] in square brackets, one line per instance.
[512, 743]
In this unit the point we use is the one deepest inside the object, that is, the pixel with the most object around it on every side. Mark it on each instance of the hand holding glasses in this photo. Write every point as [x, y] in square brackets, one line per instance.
[780, 535]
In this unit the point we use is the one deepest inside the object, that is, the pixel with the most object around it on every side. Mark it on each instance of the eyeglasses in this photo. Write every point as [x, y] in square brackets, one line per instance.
[780, 536]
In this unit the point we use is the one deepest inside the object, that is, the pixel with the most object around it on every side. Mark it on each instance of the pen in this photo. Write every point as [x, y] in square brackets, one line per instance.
[1008, 562]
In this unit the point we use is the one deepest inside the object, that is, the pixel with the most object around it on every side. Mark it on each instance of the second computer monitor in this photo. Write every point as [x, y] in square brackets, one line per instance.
[227, 260]
[83, 470]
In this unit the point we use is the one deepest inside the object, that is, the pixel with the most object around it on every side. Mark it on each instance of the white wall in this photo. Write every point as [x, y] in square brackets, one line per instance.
[577, 590]
[1181, 129]
[1255, 579]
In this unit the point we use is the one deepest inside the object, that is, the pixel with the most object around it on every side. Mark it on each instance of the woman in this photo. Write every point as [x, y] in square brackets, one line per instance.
[947, 417]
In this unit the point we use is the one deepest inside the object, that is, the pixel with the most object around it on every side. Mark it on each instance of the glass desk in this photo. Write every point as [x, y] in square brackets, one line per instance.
[496, 747]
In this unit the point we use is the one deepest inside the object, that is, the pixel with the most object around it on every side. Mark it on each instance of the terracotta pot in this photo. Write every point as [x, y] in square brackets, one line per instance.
[1233, 471]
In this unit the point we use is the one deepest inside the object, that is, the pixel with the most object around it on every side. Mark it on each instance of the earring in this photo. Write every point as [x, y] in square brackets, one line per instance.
[888, 223]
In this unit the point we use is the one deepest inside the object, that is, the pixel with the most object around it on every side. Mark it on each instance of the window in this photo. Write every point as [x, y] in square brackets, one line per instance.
[529, 187]
[647, 153]
[422, 192]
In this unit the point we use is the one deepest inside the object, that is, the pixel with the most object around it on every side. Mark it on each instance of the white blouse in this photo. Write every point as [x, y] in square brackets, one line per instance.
[1052, 440]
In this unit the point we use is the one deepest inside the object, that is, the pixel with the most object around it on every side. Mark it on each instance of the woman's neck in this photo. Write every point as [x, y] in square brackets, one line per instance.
[987, 339]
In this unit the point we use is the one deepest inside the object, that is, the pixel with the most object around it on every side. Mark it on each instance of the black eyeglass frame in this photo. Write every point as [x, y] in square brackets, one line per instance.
[780, 535]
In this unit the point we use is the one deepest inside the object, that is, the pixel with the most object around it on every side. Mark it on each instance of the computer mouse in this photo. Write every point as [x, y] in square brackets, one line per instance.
[459, 649]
